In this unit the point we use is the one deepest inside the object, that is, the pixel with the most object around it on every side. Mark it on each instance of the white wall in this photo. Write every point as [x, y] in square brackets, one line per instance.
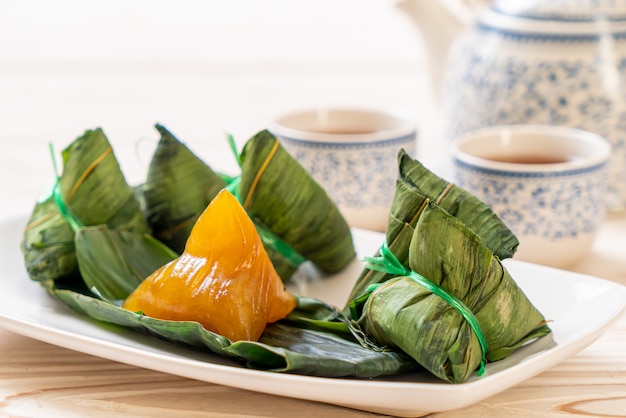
[242, 30]
[202, 68]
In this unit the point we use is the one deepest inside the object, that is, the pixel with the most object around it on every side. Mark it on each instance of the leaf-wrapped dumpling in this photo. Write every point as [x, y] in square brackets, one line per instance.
[92, 186]
[224, 279]
[416, 186]
[402, 313]
[178, 188]
[282, 196]
[297, 219]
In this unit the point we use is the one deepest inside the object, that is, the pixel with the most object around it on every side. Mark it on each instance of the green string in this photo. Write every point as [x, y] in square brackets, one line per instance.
[74, 223]
[273, 241]
[233, 147]
[388, 263]
[268, 237]
[233, 186]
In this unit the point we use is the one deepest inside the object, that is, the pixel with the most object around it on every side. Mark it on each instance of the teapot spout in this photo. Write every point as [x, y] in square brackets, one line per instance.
[438, 23]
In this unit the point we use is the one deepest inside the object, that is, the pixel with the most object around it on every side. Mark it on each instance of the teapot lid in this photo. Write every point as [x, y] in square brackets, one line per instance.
[563, 10]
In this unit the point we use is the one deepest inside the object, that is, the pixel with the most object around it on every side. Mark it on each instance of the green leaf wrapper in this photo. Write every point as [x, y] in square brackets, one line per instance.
[115, 262]
[95, 190]
[416, 186]
[286, 346]
[287, 202]
[178, 187]
[314, 339]
[281, 195]
[401, 313]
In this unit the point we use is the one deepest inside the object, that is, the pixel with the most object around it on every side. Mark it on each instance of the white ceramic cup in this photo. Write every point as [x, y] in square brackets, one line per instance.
[546, 183]
[352, 153]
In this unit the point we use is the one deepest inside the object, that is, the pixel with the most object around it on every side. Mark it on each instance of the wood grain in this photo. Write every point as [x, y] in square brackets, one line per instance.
[41, 380]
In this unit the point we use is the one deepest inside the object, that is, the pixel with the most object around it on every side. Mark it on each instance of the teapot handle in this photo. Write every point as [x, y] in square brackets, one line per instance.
[464, 11]
[439, 22]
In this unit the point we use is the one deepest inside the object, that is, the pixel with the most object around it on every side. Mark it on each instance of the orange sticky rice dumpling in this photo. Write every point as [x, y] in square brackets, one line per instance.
[224, 279]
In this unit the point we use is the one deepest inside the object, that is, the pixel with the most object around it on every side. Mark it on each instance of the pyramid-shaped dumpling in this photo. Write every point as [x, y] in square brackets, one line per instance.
[223, 280]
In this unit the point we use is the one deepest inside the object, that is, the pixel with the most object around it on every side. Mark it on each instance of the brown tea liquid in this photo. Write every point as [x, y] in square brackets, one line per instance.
[528, 159]
[346, 131]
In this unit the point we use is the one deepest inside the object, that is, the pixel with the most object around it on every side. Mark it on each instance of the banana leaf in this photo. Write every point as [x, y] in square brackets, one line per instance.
[280, 195]
[178, 187]
[287, 346]
[114, 262]
[48, 244]
[95, 192]
[314, 339]
[416, 185]
[404, 314]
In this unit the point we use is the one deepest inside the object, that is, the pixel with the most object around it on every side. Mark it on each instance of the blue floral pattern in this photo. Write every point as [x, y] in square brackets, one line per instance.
[356, 175]
[501, 77]
[537, 205]
[563, 10]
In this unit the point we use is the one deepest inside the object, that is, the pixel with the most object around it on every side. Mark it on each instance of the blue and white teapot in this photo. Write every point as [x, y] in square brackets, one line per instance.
[558, 62]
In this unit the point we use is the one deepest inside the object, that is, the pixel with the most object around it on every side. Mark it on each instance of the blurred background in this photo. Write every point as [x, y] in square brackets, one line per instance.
[200, 67]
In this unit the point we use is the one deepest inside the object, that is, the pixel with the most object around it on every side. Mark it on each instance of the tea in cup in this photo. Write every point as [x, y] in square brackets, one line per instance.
[546, 183]
[352, 153]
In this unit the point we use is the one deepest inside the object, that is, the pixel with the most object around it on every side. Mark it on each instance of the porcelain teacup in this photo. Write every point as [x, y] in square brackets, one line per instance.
[546, 183]
[352, 153]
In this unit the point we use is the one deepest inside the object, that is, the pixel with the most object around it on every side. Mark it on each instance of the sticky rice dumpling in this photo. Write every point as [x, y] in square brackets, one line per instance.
[403, 313]
[282, 196]
[416, 186]
[94, 189]
[178, 187]
[223, 280]
[295, 217]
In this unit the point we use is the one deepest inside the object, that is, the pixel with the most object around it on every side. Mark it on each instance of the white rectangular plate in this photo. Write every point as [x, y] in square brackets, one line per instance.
[579, 307]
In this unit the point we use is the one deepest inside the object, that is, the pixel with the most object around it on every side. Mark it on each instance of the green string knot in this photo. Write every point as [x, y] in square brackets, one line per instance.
[67, 214]
[388, 263]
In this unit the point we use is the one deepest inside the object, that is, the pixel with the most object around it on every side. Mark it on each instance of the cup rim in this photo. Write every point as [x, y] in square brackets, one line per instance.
[600, 155]
[403, 126]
